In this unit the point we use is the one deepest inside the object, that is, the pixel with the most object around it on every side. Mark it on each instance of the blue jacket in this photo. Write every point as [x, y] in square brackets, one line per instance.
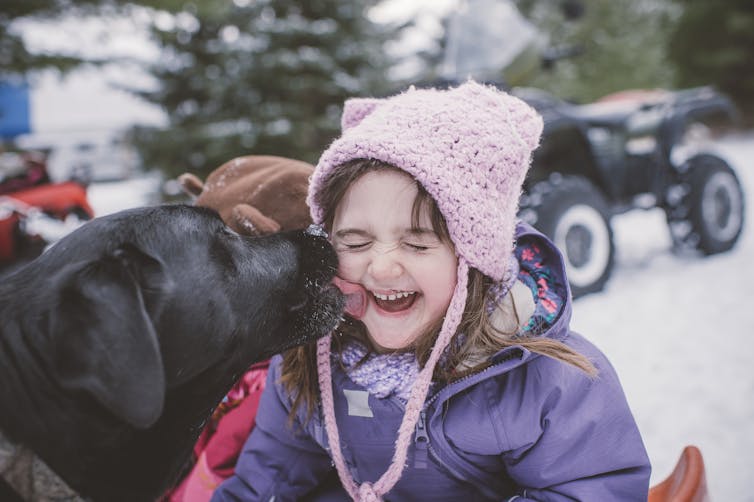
[526, 428]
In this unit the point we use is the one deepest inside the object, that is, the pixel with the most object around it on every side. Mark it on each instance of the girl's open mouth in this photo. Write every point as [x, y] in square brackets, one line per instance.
[395, 302]
[389, 303]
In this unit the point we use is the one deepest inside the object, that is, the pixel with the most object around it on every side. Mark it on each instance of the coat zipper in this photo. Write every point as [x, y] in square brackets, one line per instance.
[422, 444]
[423, 448]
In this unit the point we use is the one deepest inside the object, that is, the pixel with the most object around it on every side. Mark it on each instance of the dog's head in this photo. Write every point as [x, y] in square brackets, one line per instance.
[152, 300]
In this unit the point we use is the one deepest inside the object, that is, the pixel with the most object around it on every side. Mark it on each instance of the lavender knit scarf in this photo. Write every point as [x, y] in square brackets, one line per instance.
[382, 375]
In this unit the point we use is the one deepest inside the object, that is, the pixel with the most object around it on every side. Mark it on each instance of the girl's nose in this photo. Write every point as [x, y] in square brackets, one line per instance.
[384, 266]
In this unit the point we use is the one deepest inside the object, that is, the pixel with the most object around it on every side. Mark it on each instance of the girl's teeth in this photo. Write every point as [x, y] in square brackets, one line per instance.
[394, 296]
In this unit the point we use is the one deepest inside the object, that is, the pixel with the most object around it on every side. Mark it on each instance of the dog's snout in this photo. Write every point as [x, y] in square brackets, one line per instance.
[298, 303]
[318, 254]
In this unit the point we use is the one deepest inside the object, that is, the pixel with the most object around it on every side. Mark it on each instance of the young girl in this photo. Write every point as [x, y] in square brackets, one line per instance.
[454, 375]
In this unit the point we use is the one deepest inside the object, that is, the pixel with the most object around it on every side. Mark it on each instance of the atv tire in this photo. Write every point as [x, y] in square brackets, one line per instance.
[706, 208]
[573, 213]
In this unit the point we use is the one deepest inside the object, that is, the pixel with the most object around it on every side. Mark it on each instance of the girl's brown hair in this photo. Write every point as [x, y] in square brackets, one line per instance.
[482, 338]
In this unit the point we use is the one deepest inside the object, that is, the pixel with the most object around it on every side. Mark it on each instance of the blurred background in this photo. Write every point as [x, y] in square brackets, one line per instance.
[649, 111]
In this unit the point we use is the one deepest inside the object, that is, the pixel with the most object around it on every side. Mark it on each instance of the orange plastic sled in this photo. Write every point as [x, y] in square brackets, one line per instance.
[687, 482]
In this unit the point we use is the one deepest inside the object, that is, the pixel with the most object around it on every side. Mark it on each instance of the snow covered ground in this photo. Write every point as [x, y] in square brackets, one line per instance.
[109, 197]
[679, 332]
[676, 328]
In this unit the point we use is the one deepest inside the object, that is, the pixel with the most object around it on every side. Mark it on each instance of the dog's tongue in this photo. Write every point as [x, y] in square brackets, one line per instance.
[356, 297]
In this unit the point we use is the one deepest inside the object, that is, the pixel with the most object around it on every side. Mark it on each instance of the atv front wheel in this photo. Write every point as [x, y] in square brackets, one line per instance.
[706, 210]
[573, 213]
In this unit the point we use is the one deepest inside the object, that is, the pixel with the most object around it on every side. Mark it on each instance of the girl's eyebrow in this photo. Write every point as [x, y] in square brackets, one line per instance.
[421, 231]
[357, 232]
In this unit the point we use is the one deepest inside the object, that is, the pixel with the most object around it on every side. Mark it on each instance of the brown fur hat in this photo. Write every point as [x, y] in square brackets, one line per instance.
[255, 194]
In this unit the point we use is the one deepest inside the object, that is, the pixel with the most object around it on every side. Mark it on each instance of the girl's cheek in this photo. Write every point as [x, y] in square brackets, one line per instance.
[348, 265]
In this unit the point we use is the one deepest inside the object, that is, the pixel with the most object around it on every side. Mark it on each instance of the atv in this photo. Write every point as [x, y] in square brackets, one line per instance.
[34, 211]
[629, 150]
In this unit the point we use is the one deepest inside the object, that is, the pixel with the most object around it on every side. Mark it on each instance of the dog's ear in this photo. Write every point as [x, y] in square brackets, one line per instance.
[104, 341]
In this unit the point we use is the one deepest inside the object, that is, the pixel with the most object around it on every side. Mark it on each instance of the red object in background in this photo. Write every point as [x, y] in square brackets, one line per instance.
[687, 482]
[55, 199]
[220, 443]
[34, 173]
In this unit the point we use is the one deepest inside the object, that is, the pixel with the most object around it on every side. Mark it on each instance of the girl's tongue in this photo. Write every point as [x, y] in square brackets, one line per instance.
[356, 297]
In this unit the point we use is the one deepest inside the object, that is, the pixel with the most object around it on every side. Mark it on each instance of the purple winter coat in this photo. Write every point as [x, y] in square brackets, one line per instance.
[526, 428]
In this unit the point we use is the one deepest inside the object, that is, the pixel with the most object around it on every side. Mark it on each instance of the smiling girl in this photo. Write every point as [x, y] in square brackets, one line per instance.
[454, 375]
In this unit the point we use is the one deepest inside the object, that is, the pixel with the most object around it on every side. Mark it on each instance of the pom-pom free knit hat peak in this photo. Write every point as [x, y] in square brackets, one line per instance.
[469, 147]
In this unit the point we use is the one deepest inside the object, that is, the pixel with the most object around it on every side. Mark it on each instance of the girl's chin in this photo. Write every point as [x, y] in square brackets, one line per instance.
[389, 339]
[391, 331]
[382, 346]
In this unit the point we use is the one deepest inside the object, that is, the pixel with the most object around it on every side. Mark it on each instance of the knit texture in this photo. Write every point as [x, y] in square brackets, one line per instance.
[383, 375]
[469, 147]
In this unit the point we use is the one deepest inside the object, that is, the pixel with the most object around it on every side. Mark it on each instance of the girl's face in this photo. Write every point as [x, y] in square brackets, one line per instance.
[409, 274]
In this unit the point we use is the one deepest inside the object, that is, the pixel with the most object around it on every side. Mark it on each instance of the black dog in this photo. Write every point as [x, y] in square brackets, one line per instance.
[117, 343]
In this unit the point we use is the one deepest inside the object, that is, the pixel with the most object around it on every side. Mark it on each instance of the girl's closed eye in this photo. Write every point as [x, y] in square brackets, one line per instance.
[351, 244]
[354, 245]
[351, 240]
[421, 239]
[417, 247]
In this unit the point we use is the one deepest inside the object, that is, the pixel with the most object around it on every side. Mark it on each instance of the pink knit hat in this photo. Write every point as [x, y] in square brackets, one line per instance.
[470, 148]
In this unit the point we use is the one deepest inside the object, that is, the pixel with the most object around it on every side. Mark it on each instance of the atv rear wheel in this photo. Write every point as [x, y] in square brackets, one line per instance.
[573, 213]
[707, 207]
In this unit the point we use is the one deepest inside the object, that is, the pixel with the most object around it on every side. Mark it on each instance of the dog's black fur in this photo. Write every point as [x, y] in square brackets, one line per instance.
[118, 341]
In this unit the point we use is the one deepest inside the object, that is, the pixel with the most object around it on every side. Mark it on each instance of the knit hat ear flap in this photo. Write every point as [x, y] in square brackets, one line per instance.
[355, 109]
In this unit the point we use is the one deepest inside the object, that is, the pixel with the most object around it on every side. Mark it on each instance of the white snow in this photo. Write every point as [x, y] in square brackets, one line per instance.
[678, 330]
[110, 197]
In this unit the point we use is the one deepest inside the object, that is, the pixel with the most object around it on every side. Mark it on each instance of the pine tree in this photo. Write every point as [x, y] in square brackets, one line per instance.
[261, 77]
[621, 44]
[16, 60]
[713, 43]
